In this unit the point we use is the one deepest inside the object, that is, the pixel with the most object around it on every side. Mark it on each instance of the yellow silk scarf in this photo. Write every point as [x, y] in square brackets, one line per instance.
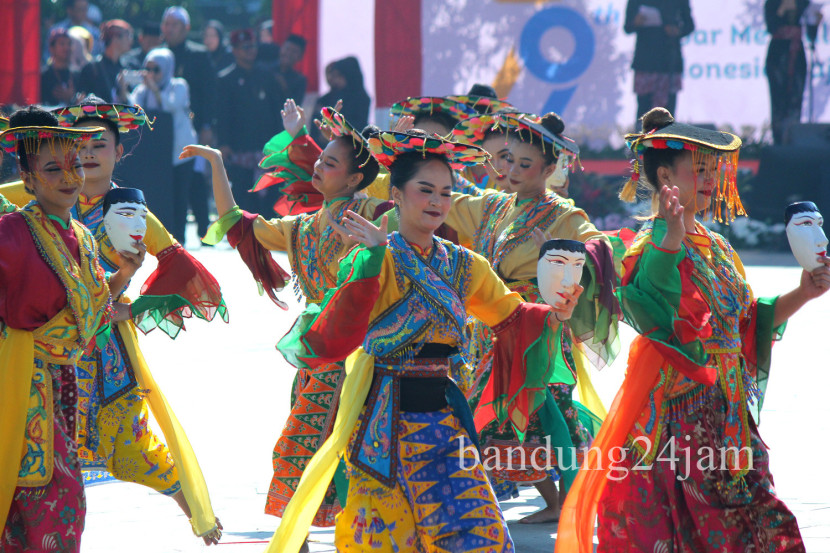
[320, 470]
[17, 353]
[587, 394]
[190, 474]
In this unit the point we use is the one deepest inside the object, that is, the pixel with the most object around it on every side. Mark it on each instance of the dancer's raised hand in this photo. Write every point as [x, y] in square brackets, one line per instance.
[670, 209]
[356, 228]
[293, 117]
[404, 123]
[325, 130]
[198, 150]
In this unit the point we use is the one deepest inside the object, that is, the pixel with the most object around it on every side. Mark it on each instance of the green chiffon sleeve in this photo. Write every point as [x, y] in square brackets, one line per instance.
[221, 226]
[660, 302]
[330, 331]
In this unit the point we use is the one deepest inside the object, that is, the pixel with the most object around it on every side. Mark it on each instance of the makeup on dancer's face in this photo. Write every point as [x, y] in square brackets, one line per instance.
[99, 155]
[57, 177]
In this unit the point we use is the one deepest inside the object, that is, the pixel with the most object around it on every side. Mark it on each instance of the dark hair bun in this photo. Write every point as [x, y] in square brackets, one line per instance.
[33, 116]
[656, 118]
[92, 100]
[553, 123]
[369, 131]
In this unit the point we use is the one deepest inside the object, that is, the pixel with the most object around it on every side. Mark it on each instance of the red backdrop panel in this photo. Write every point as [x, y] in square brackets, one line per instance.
[20, 54]
[300, 17]
[397, 50]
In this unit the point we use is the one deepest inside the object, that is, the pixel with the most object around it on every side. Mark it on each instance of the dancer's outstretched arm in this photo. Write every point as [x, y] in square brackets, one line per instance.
[222, 193]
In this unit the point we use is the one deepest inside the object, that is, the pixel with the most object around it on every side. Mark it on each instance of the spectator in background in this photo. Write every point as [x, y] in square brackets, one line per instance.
[149, 37]
[213, 37]
[161, 91]
[250, 103]
[345, 79]
[81, 46]
[292, 82]
[77, 15]
[658, 60]
[786, 64]
[102, 77]
[193, 65]
[268, 53]
[58, 82]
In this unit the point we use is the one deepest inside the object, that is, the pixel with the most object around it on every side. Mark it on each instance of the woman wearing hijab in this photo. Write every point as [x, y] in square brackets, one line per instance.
[213, 37]
[160, 91]
[346, 81]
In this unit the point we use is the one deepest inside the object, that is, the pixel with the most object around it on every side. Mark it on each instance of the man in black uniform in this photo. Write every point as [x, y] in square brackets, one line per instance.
[292, 82]
[149, 37]
[250, 103]
[103, 76]
[58, 83]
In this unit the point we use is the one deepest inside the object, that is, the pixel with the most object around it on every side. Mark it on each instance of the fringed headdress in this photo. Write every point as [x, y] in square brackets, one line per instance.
[126, 118]
[427, 105]
[474, 130]
[717, 150]
[529, 128]
[339, 126]
[31, 138]
[482, 104]
[387, 146]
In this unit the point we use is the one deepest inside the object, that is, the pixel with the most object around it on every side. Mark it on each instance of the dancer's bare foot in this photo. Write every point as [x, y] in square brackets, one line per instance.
[545, 516]
[213, 537]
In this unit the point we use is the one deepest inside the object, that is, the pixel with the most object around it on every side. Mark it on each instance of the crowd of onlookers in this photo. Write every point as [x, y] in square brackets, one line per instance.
[226, 91]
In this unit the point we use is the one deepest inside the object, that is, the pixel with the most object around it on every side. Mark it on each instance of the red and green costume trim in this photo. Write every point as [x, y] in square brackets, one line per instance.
[289, 164]
[179, 288]
[238, 225]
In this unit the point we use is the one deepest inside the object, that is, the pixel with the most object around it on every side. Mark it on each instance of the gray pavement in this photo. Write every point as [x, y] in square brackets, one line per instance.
[229, 388]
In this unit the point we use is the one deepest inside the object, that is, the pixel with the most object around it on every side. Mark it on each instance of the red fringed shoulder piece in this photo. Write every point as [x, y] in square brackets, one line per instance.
[180, 275]
[264, 269]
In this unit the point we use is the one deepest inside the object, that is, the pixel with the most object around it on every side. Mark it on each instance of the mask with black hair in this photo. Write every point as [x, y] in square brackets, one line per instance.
[125, 218]
[805, 234]
[559, 269]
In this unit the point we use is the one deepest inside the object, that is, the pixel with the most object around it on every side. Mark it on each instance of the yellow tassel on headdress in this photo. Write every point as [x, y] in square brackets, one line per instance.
[726, 202]
[629, 191]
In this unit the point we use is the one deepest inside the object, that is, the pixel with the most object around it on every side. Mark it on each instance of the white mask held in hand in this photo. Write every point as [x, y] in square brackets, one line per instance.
[559, 269]
[805, 233]
[125, 218]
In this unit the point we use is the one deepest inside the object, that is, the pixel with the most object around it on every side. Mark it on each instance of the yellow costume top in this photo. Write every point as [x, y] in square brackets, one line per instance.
[500, 228]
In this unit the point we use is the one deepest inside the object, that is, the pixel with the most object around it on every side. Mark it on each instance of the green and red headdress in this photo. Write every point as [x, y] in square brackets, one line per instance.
[718, 150]
[340, 127]
[125, 117]
[482, 104]
[529, 128]
[4, 124]
[428, 105]
[33, 137]
[474, 130]
[387, 146]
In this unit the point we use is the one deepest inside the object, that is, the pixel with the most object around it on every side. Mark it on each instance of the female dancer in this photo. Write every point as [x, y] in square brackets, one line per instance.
[116, 390]
[314, 250]
[486, 132]
[55, 301]
[701, 359]
[405, 298]
[502, 229]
